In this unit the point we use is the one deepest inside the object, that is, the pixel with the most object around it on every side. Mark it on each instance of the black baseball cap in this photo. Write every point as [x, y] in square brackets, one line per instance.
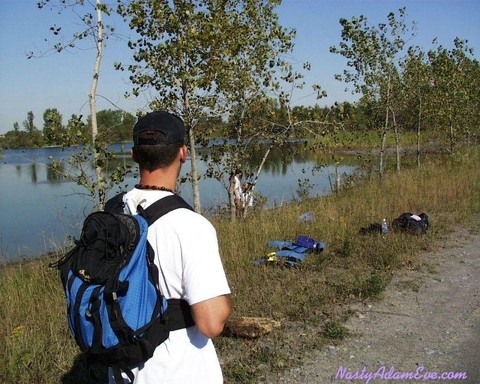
[159, 127]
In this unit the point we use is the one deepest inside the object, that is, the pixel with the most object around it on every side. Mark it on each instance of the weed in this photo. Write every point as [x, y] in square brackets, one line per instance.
[347, 247]
[375, 286]
[335, 329]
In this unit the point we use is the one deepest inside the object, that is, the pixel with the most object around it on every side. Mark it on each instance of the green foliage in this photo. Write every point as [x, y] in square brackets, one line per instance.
[29, 138]
[93, 29]
[455, 91]
[76, 132]
[18, 139]
[375, 286]
[88, 27]
[334, 329]
[372, 52]
[433, 93]
[80, 168]
[53, 130]
[304, 188]
[206, 59]
[114, 126]
[373, 56]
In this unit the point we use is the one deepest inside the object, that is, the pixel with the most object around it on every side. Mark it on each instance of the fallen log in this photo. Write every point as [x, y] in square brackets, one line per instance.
[250, 327]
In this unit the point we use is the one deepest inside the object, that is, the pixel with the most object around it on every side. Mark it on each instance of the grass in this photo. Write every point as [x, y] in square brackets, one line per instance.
[335, 330]
[308, 301]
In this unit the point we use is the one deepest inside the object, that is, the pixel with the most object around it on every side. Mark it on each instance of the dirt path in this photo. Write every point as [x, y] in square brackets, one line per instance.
[427, 322]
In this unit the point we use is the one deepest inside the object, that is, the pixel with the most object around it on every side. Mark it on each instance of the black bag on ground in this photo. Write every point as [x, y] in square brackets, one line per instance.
[372, 228]
[411, 223]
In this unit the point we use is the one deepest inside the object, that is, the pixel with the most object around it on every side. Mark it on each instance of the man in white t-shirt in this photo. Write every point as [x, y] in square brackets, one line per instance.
[187, 255]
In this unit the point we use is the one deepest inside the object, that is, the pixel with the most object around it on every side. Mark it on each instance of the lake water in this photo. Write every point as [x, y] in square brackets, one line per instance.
[39, 208]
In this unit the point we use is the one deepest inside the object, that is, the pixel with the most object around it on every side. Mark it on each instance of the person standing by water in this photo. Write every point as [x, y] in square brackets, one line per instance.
[236, 192]
[187, 257]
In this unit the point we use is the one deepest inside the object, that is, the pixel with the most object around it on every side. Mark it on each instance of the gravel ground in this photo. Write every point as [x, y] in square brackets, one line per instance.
[426, 323]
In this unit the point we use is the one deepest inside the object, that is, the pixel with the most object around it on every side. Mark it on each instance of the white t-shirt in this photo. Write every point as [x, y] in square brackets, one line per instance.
[186, 252]
[237, 188]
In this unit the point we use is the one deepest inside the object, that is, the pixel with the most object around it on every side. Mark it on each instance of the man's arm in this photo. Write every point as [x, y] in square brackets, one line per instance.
[211, 315]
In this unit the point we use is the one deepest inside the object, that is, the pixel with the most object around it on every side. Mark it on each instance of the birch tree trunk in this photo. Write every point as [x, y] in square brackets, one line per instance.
[418, 131]
[258, 173]
[100, 193]
[397, 139]
[194, 171]
[385, 128]
[382, 145]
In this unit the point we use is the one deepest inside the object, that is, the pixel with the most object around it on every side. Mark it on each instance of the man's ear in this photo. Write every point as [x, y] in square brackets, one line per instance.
[183, 154]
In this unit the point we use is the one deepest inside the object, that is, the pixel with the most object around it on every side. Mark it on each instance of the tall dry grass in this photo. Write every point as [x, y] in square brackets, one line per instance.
[352, 267]
[37, 347]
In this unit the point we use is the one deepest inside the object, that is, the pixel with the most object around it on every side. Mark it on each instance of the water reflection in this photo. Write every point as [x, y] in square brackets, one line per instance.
[42, 206]
[55, 174]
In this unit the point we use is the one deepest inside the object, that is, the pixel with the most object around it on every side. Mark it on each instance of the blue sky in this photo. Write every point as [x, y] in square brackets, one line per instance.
[62, 80]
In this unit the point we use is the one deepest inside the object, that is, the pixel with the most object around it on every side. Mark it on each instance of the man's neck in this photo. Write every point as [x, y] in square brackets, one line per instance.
[159, 178]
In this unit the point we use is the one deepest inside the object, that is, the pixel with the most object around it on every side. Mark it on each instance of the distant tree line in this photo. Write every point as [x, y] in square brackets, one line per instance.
[438, 90]
[113, 126]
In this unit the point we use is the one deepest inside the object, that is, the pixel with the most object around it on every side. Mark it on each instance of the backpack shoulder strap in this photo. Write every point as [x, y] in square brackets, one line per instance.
[162, 207]
[178, 314]
[115, 204]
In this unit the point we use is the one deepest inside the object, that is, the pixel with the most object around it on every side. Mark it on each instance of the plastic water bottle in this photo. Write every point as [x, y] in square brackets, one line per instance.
[384, 227]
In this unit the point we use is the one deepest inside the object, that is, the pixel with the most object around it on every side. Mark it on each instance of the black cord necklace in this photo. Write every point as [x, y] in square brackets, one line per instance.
[154, 188]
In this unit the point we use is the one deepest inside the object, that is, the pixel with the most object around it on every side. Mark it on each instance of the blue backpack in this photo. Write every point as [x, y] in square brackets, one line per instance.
[115, 310]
